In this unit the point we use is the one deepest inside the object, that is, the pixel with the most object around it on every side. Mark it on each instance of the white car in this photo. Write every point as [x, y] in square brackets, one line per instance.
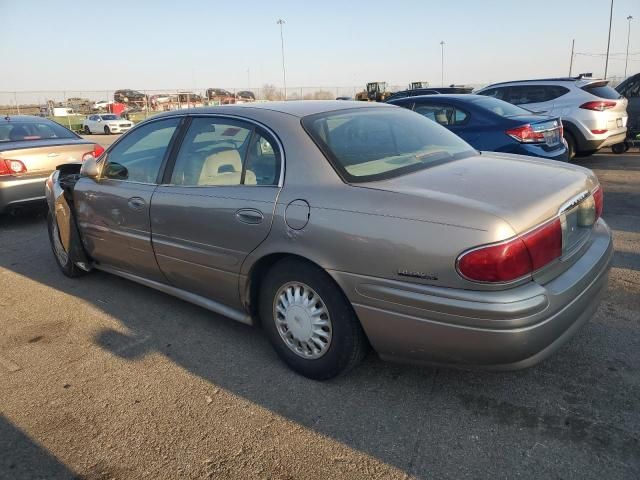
[102, 104]
[106, 123]
[593, 114]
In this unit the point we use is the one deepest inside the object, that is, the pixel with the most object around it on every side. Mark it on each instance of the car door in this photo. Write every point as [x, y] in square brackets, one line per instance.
[113, 209]
[216, 205]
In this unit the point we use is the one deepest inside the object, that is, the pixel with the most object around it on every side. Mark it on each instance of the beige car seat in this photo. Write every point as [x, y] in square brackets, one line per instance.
[224, 168]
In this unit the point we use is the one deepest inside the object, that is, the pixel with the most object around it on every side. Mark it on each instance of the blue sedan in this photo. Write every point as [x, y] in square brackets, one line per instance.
[492, 125]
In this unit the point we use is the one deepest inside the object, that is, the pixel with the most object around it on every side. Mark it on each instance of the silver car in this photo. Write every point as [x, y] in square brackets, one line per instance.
[343, 225]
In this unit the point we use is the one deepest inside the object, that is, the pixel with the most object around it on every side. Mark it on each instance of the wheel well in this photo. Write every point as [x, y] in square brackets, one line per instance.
[257, 274]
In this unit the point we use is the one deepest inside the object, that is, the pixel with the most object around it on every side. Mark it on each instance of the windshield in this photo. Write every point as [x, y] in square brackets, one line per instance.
[37, 130]
[368, 144]
[110, 117]
[500, 107]
[602, 90]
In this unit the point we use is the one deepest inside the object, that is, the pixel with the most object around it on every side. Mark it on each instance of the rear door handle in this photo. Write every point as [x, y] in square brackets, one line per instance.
[249, 215]
[136, 203]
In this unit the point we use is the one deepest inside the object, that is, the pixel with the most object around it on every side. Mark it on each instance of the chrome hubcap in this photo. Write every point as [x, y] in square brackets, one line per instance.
[302, 320]
[58, 248]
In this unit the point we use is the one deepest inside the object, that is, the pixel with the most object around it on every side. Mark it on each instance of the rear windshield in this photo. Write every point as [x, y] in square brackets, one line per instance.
[500, 107]
[602, 90]
[25, 131]
[368, 144]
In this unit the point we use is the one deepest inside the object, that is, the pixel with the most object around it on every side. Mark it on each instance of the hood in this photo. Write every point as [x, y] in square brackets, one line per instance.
[523, 191]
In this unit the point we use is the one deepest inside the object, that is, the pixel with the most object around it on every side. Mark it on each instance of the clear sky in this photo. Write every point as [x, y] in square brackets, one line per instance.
[87, 45]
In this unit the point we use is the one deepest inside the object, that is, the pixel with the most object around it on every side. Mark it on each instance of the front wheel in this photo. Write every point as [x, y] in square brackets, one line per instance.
[61, 256]
[309, 321]
[107, 130]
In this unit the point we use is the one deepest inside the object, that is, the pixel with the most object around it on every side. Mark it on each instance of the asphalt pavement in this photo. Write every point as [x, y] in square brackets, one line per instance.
[102, 378]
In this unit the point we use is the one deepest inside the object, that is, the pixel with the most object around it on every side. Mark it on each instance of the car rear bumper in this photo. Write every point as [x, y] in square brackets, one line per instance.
[533, 150]
[508, 329]
[19, 191]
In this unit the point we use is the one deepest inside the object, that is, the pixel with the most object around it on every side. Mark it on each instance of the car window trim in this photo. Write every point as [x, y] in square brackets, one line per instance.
[271, 135]
[105, 154]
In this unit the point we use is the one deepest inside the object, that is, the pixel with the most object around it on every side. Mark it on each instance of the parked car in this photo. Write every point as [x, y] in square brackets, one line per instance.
[490, 124]
[220, 96]
[245, 96]
[338, 225]
[630, 89]
[415, 92]
[106, 123]
[593, 114]
[30, 149]
[101, 105]
[130, 97]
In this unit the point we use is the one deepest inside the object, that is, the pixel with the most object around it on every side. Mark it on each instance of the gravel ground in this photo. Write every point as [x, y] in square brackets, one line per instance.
[101, 378]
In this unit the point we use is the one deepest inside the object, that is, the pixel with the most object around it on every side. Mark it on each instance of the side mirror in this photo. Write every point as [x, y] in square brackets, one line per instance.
[99, 119]
[90, 168]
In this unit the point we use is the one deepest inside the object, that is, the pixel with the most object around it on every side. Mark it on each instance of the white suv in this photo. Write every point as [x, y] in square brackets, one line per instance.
[593, 114]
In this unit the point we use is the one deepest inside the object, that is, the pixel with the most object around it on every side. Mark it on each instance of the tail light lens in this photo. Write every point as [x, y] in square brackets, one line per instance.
[599, 132]
[525, 134]
[598, 106]
[11, 167]
[598, 197]
[515, 258]
[95, 153]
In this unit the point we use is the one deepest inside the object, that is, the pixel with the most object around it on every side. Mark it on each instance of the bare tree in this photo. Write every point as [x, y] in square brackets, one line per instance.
[271, 92]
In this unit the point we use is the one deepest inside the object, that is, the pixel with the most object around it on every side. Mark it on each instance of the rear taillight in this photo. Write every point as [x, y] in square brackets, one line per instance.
[95, 153]
[599, 132]
[598, 198]
[525, 134]
[515, 258]
[598, 105]
[12, 167]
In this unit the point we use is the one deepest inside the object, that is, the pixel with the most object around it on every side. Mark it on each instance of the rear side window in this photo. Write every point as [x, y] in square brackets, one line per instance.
[26, 131]
[602, 90]
[445, 115]
[499, 93]
[524, 94]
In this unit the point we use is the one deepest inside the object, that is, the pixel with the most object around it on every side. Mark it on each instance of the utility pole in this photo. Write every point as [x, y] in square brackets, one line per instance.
[248, 79]
[606, 63]
[442, 64]
[629, 18]
[284, 74]
[573, 44]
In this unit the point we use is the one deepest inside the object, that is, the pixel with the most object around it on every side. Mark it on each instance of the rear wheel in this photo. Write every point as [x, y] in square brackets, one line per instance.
[571, 145]
[87, 130]
[107, 130]
[60, 254]
[309, 321]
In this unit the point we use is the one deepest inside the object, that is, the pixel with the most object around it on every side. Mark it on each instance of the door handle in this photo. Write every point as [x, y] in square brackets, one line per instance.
[249, 215]
[136, 203]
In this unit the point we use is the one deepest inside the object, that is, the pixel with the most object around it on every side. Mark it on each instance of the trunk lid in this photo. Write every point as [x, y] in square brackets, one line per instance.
[523, 191]
[41, 157]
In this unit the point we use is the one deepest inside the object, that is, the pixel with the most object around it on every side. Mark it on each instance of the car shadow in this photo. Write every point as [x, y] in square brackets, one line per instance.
[23, 459]
[425, 421]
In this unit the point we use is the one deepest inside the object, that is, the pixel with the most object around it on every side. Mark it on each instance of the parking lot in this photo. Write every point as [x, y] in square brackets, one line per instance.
[102, 378]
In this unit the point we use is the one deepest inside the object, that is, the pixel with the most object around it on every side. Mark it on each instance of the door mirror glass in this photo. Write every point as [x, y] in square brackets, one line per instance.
[90, 168]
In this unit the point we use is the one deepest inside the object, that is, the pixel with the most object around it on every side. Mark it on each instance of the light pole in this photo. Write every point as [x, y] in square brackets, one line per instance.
[629, 18]
[284, 74]
[606, 63]
[442, 64]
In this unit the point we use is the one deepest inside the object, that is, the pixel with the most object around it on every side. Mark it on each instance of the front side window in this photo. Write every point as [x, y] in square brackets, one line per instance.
[446, 115]
[139, 155]
[221, 152]
[368, 144]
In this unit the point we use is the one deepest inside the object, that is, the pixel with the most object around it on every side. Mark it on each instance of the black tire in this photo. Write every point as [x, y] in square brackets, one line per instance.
[571, 145]
[87, 130]
[348, 344]
[619, 148]
[67, 267]
[107, 130]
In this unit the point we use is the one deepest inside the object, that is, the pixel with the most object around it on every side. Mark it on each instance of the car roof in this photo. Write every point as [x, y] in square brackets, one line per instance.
[296, 108]
[578, 81]
[22, 119]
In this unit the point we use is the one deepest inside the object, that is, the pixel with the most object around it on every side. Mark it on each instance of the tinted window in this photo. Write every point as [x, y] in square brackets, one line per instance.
[602, 90]
[370, 144]
[446, 115]
[36, 130]
[631, 89]
[499, 92]
[225, 152]
[139, 155]
[110, 117]
[500, 107]
[524, 94]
